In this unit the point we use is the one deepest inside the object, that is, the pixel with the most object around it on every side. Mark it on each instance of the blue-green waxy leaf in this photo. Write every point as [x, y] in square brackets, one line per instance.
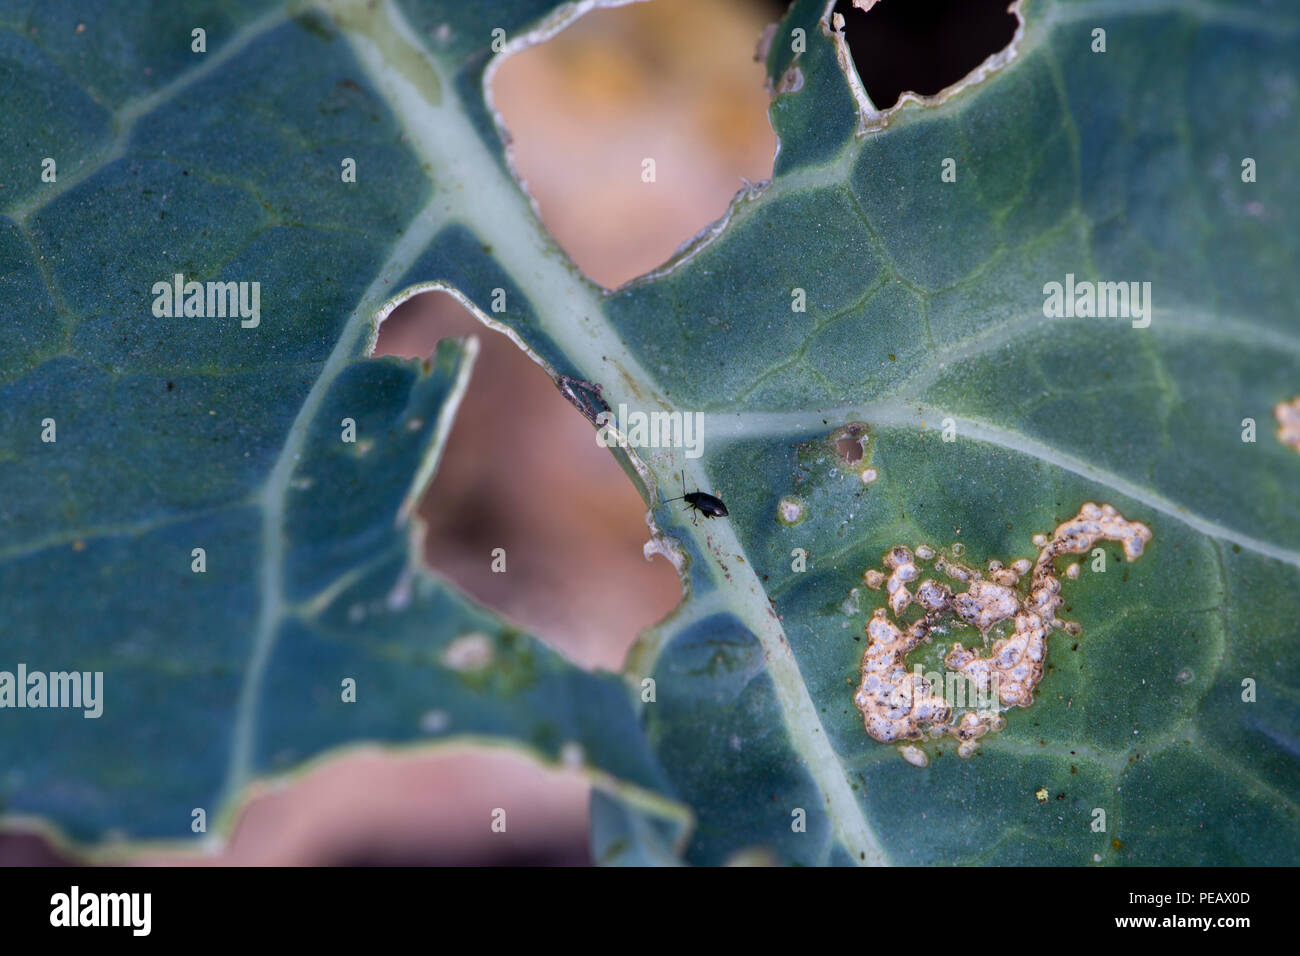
[219, 523]
[1164, 731]
[869, 341]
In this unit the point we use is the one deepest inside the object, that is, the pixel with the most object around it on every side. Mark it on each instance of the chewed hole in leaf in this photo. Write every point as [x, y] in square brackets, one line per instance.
[522, 472]
[921, 46]
[634, 127]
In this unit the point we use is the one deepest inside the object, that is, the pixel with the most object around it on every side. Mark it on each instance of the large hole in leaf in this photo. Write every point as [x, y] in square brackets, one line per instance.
[377, 808]
[522, 471]
[674, 82]
[922, 46]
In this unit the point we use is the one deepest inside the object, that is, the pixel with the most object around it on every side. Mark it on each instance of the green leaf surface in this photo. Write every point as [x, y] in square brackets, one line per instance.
[924, 312]
[179, 433]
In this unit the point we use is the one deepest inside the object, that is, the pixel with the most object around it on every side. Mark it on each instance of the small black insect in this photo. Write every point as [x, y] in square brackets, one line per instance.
[706, 504]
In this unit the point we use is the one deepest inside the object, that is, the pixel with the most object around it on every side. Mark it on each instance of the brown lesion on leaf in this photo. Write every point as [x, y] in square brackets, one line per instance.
[898, 705]
[791, 82]
[1288, 423]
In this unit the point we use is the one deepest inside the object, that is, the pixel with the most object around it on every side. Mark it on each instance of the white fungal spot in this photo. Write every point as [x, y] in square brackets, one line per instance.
[869, 475]
[1288, 423]
[469, 652]
[895, 704]
[914, 755]
[899, 560]
[983, 604]
[933, 595]
[790, 510]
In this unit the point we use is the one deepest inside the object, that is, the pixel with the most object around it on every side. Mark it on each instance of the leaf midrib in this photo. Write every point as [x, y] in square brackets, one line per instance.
[570, 309]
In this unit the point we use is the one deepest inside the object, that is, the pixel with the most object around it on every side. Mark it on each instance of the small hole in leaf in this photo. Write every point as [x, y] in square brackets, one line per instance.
[850, 448]
[922, 46]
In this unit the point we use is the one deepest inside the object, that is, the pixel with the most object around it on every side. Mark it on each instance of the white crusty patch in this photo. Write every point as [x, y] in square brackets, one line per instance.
[914, 755]
[790, 510]
[1288, 423]
[899, 705]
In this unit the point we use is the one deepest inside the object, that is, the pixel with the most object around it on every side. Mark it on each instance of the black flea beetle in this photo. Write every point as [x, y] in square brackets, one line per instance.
[706, 504]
